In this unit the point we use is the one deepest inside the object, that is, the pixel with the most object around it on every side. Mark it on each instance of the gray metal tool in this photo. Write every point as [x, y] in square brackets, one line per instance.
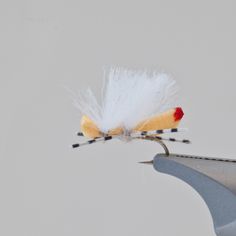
[214, 179]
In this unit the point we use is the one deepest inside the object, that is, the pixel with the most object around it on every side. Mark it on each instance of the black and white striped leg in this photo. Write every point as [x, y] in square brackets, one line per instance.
[173, 140]
[160, 131]
[96, 140]
[160, 141]
[152, 132]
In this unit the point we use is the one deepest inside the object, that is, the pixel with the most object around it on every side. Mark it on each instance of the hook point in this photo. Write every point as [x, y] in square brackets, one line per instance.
[146, 162]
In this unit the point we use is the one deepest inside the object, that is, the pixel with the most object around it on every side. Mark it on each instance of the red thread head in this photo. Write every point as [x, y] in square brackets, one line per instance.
[178, 113]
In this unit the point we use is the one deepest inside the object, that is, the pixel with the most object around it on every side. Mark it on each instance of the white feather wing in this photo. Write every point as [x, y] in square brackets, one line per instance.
[128, 98]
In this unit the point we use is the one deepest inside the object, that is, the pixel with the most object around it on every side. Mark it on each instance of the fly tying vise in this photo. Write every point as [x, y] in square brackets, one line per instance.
[135, 105]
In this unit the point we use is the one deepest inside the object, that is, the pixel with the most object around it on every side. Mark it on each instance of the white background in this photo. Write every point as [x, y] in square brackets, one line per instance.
[47, 188]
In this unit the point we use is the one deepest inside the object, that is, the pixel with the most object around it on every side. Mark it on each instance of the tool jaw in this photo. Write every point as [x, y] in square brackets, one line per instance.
[212, 178]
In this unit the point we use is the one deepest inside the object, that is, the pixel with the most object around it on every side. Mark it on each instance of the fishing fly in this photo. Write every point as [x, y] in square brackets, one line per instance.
[134, 105]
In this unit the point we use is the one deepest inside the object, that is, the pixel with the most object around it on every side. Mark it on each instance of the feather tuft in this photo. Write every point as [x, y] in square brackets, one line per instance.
[128, 97]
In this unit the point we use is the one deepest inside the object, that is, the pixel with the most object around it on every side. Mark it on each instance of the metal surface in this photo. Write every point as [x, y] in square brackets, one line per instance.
[214, 179]
[156, 139]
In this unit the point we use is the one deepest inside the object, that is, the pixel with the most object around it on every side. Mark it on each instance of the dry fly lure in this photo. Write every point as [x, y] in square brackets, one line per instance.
[134, 105]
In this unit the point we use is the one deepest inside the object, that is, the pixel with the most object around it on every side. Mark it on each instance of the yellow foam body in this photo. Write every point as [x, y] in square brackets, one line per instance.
[89, 128]
[165, 120]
